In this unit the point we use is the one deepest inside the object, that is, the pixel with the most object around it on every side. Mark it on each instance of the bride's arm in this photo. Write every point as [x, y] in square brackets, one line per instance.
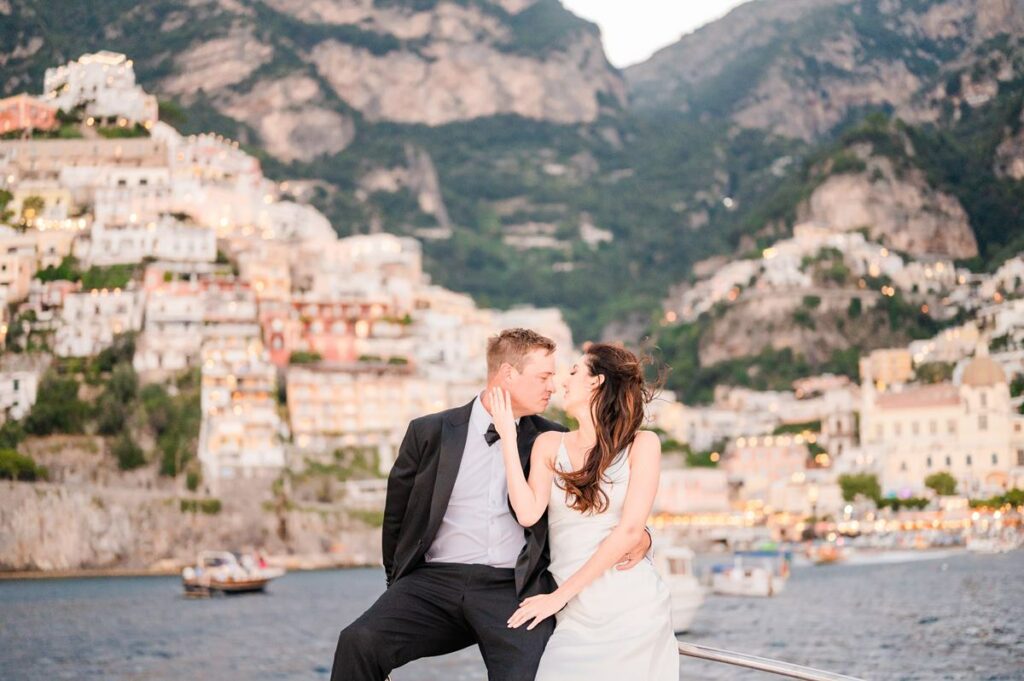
[529, 498]
[645, 467]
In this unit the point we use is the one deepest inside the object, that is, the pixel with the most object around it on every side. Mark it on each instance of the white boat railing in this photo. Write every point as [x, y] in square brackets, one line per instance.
[787, 669]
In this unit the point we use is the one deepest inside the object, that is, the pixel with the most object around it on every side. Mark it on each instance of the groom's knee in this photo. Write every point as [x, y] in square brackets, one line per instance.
[360, 654]
[359, 640]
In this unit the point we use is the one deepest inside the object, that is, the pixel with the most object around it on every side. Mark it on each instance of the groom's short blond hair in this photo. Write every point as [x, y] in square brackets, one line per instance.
[512, 346]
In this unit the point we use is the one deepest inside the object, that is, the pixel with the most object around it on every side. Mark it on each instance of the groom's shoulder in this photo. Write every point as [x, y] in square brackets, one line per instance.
[434, 421]
[544, 425]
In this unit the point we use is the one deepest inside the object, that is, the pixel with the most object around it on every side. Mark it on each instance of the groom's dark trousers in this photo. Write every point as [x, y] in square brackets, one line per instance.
[436, 608]
[439, 608]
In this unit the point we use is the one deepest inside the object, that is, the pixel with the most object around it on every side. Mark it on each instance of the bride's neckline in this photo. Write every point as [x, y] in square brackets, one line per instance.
[562, 447]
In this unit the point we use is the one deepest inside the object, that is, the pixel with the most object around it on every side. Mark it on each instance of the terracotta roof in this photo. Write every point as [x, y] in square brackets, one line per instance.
[938, 395]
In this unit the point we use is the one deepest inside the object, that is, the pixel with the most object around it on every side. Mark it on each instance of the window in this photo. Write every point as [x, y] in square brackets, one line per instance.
[898, 428]
[984, 399]
[933, 427]
[903, 465]
[951, 426]
[995, 459]
[1020, 457]
[969, 460]
[928, 462]
[949, 461]
[982, 422]
[914, 428]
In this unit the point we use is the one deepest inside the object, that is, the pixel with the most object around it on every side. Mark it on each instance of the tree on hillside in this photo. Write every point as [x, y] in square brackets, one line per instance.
[860, 484]
[59, 410]
[943, 483]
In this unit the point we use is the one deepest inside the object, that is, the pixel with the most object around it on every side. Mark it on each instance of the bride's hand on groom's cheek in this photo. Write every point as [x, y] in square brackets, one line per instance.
[536, 608]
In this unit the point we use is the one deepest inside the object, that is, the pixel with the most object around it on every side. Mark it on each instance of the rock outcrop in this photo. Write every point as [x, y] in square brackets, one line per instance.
[291, 118]
[1009, 162]
[800, 67]
[758, 321]
[450, 82]
[62, 527]
[899, 209]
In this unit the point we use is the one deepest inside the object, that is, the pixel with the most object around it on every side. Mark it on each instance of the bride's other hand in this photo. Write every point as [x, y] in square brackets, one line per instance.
[536, 608]
[501, 412]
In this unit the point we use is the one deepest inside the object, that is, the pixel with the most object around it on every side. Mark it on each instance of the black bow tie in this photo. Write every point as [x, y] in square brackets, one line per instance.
[491, 435]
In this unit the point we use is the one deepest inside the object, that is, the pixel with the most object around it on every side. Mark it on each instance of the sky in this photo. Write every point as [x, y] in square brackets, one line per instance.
[634, 29]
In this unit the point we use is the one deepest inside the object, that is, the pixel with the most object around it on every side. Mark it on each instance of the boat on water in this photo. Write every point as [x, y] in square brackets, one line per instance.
[753, 573]
[981, 544]
[859, 557]
[675, 563]
[826, 553]
[225, 572]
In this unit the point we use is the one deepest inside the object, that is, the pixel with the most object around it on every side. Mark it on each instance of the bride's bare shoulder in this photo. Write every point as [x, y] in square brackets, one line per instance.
[647, 440]
[546, 444]
[548, 440]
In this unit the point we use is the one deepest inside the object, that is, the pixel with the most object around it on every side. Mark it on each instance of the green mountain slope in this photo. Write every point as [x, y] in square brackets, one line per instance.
[516, 195]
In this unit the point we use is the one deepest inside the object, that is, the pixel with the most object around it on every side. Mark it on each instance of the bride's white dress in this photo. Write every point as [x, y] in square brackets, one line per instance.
[619, 627]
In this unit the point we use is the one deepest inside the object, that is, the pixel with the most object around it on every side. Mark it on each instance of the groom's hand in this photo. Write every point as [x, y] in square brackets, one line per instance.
[635, 554]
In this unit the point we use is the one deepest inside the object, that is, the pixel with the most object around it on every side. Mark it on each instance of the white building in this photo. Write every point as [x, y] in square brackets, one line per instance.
[758, 463]
[105, 83]
[91, 319]
[172, 334]
[1009, 278]
[372, 265]
[163, 239]
[17, 264]
[810, 493]
[702, 427]
[692, 490]
[19, 384]
[965, 428]
[240, 431]
[360, 404]
[949, 345]
[266, 265]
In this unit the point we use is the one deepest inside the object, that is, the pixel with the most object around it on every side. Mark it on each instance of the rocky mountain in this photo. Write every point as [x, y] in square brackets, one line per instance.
[497, 131]
[299, 74]
[801, 67]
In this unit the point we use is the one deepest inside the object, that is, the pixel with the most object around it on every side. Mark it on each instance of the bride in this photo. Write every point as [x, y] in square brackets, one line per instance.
[597, 485]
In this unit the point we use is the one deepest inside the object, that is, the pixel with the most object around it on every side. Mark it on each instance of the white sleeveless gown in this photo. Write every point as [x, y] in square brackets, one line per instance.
[619, 627]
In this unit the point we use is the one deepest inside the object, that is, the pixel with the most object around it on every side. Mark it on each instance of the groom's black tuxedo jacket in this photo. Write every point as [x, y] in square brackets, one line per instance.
[420, 486]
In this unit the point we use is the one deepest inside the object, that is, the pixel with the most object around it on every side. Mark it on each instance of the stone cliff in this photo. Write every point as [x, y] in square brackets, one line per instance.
[799, 68]
[899, 209]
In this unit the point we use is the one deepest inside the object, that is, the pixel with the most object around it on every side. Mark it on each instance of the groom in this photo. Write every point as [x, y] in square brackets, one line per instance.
[456, 560]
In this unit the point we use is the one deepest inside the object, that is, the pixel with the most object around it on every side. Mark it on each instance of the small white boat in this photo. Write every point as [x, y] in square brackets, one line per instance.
[977, 544]
[753, 573]
[227, 573]
[675, 563]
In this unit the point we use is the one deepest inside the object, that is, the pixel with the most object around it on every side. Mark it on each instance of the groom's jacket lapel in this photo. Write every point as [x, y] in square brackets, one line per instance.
[454, 431]
[525, 437]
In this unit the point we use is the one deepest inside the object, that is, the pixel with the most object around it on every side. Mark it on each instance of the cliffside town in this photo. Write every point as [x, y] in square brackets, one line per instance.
[174, 257]
[244, 242]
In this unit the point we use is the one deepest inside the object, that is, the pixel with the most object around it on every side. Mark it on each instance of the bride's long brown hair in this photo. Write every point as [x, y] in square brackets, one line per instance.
[617, 407]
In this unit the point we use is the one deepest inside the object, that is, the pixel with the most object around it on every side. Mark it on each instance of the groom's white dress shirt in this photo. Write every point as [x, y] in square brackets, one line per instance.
[478, 526]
